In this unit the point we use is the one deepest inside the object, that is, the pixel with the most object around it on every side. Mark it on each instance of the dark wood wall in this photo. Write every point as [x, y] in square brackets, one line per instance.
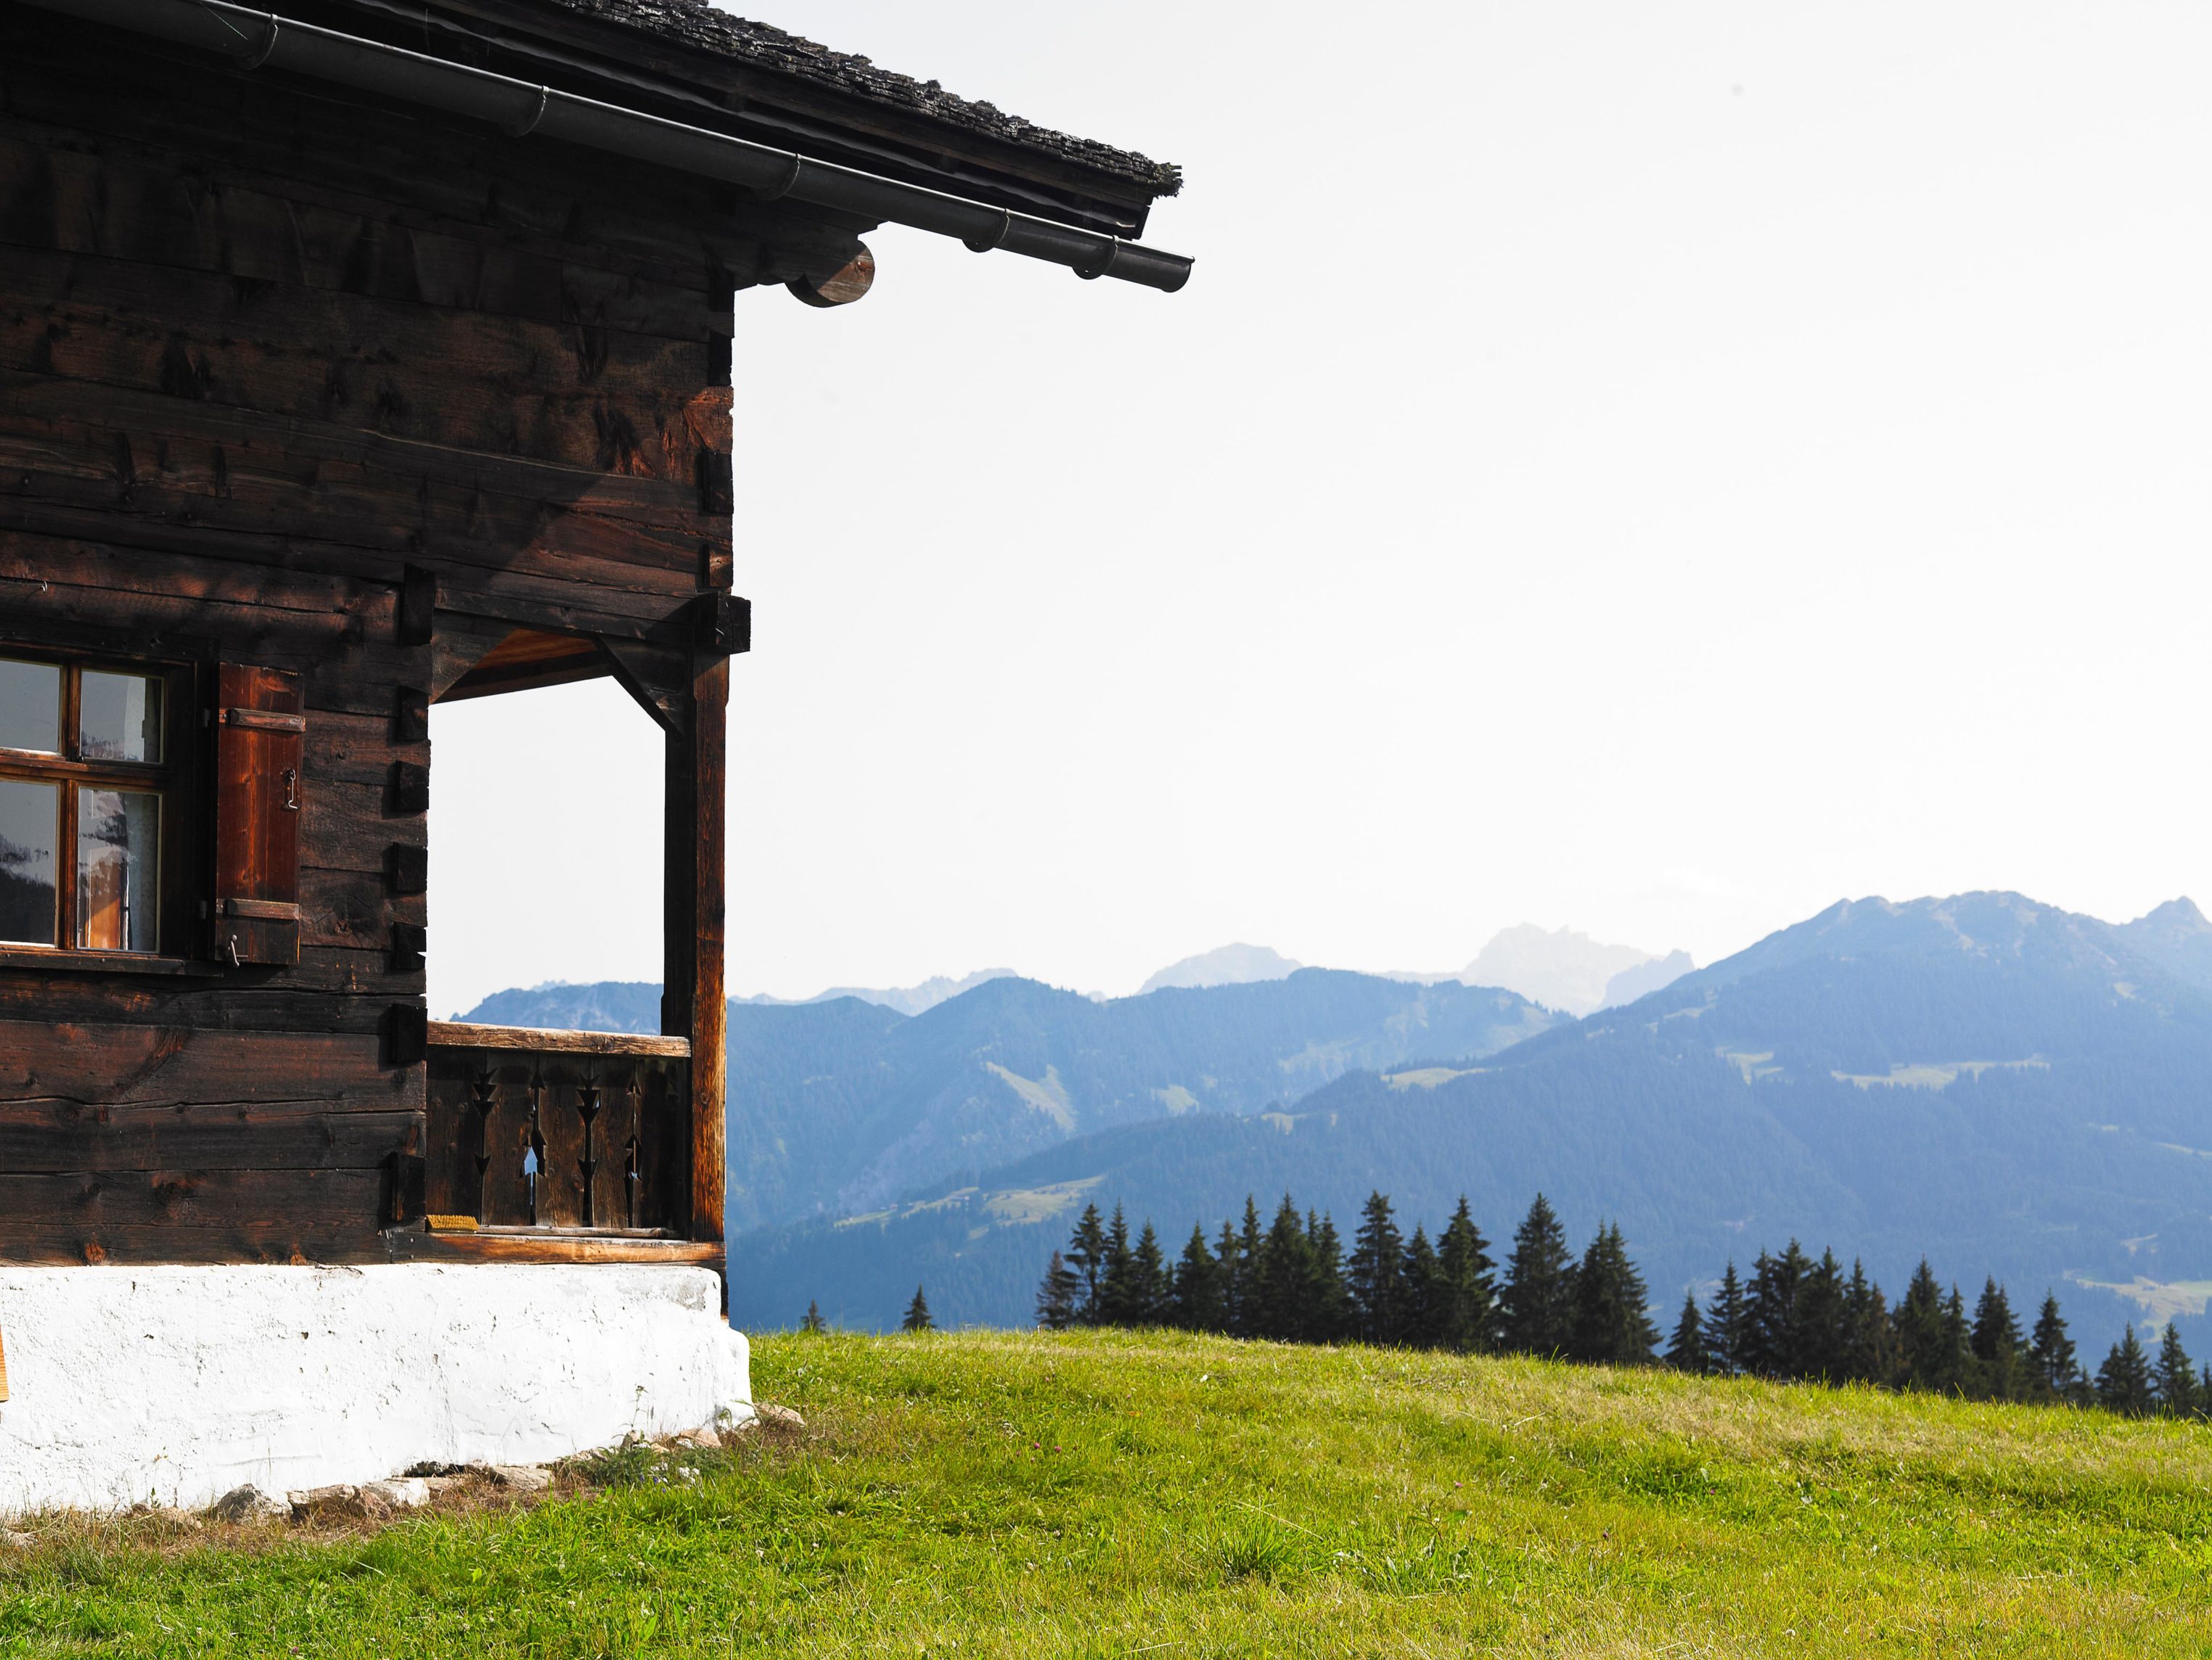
[290, 379]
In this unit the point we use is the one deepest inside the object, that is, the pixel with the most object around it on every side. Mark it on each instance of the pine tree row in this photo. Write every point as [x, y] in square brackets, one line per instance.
[1799, 1318]
[1293, 1281]
[1795, 1318]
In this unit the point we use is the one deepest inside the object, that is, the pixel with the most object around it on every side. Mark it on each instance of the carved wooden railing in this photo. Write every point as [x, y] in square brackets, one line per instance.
[557, 1135]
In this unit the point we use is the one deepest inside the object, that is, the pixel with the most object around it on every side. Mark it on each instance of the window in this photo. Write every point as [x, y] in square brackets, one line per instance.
[86, 787]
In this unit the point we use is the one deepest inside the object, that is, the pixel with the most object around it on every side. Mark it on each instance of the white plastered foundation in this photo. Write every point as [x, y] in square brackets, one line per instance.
[174, 1385]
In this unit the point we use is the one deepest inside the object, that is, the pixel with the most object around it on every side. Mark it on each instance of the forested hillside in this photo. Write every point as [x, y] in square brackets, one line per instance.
[2007, 1088]
[836, 1107]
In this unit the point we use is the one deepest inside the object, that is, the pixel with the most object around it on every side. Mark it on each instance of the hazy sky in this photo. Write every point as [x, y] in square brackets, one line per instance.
[1657, 469]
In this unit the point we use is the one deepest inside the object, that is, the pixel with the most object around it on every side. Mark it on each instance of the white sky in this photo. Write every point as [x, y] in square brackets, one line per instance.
[1658, 470]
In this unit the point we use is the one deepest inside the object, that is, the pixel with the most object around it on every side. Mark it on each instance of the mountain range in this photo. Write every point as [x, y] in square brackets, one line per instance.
[837, 1107]
[2010, 1088]
[1561, 969]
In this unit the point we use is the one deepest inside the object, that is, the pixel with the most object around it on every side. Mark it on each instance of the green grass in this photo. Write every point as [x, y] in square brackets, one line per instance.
[1113, 1494]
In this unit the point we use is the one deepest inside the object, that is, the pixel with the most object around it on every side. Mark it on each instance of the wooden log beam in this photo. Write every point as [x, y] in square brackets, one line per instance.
[534, 1040]
[693, 927]
[848, 282]
[113, 1065]
[49, 1137]
[542, 1245]
[192, 1216]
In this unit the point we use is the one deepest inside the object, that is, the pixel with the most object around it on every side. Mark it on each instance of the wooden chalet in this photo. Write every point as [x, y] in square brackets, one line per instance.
[354, 360]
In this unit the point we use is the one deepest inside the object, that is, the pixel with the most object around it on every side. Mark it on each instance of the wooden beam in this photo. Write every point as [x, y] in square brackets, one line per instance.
[457, 1035]
[848, 282]
[537, 1244]
[527, 659]
[693, 927]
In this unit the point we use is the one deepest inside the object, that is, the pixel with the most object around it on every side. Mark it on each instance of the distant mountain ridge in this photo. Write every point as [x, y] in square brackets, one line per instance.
[908, 999]
[1227, 965]
[1564, 970]
[2014, 1089]
[836, 1107]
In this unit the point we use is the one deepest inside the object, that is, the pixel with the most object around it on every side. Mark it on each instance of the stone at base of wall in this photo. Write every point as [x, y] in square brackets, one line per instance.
[174, 1385]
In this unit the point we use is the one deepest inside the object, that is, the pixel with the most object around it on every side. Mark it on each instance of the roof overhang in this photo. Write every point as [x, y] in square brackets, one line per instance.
[255, 41]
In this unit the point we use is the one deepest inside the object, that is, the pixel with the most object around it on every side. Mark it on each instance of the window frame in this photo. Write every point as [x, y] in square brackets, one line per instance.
[173, 779]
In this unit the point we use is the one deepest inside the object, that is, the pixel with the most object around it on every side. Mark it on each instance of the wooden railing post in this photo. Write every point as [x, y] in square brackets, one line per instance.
[692, 1002]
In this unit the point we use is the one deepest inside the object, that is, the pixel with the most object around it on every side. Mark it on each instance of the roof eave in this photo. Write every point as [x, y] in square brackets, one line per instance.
[600, 56]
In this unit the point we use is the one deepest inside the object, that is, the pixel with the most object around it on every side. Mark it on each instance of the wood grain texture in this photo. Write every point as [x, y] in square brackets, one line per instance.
[709, 1014]
[192, 1216]
[54, 1136]
[612, 401]
[533, 1246]
[458, 1034]
[257, 812]
[539, 542]
[114, 1064]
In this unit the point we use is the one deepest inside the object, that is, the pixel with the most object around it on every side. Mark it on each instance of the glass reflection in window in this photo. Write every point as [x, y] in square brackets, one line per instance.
[119, 716]
[29, 826]
[30, 706]
[118, 835]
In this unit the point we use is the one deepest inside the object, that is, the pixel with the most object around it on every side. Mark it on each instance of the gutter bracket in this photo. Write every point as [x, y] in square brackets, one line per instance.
[1104, 266]
[792, 163]
[523, 129]
[255, 58]
[1006, 230]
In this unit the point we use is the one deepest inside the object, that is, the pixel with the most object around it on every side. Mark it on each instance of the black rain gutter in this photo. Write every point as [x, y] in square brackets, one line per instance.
[258, 39]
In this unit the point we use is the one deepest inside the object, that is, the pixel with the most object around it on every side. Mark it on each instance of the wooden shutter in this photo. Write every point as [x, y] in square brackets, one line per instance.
[261, 750]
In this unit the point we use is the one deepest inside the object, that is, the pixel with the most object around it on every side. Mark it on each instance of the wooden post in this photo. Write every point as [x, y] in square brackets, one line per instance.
[692, 1004]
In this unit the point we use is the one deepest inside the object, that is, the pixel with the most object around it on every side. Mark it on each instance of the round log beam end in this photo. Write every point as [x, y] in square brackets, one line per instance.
[841, 286]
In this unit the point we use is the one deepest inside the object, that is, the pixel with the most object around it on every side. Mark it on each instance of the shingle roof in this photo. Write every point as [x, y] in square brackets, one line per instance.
[696, 24]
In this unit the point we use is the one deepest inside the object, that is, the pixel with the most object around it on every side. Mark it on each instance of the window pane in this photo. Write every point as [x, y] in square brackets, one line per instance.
[119, 834]
[30, 706]
[121, 719]
[30, 820]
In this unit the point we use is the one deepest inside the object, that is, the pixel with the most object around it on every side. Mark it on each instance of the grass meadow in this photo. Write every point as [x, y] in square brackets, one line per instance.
[1115, 1494]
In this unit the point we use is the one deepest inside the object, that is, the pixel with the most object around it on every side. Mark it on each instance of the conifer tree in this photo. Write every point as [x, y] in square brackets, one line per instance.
[1373, 1273]
[1055, 1303]
[2124, 1383]
[1197, 1299]
[1771, 1342]
[1686, 1350]
[1285, 1277]
[1610, 1324]
[1329, 1299]
[1234, 1279]
[2174, 1377]
[1820, 1324]
[1724, 1327]
[1536, 1305]
[1466, 1290]
[1420, 1322]
[1148, 1280]
[1870, 1345]
[1087, 1254]
[1117, 1282]
[917, 1314]
[813, 1322]
[1921, 1360]
[2051, 1354]
[1995, 1341]
[1958, 1349]
[1250, 1243]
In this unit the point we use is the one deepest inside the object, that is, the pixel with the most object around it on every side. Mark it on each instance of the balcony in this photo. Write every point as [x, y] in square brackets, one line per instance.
[554, 1147]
